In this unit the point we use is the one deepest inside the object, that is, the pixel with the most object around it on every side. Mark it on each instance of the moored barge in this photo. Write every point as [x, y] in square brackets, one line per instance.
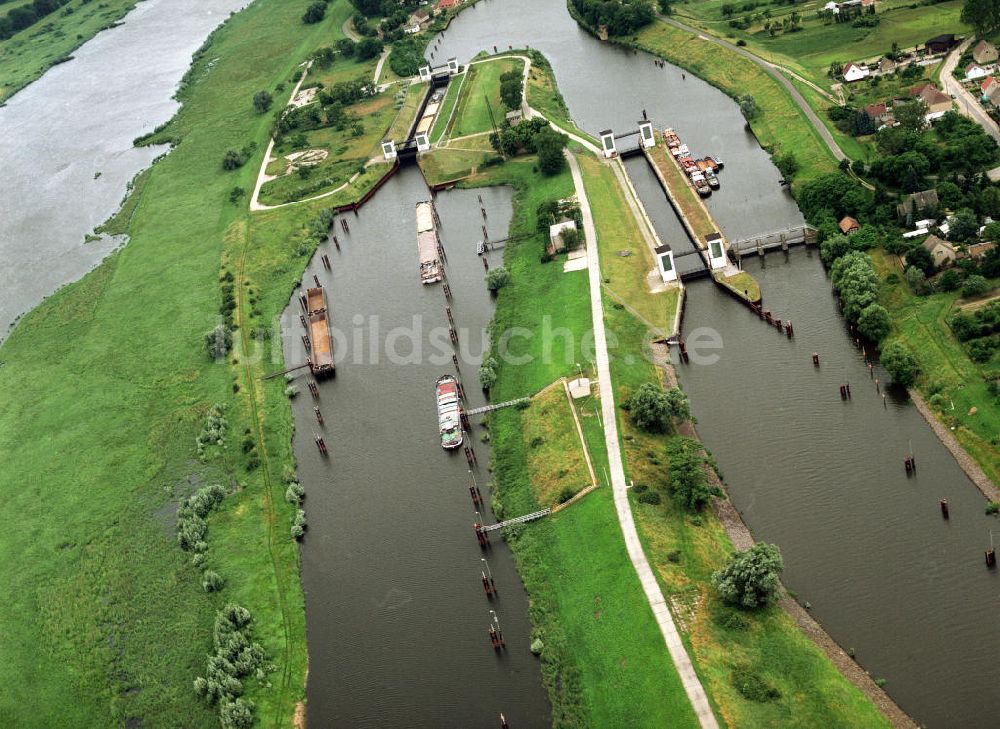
[427, 244]
[449, 405]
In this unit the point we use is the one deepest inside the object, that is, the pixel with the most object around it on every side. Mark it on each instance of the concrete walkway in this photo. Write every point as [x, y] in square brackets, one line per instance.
[692, 685]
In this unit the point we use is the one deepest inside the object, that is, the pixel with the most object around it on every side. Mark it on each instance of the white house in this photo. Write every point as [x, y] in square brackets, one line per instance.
[975, 71]
[854, 72]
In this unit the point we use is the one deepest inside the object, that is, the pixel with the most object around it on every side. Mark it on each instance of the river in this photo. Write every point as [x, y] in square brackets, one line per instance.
[68, 151]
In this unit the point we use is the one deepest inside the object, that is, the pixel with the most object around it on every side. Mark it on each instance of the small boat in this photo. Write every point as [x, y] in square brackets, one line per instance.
[701, 184]
[718, 162]
[449, 406]
[713, 179]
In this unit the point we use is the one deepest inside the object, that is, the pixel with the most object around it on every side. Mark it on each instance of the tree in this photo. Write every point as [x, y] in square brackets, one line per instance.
[748, 105]
[368, 48]
[983, 15]
[652, 409]
[314, 13]
[752, 577]
[963, 225]
[497, 278]
[916, 279]
[549, 145]
[912, 116]
[346, 47]
[874, 322]
[950, 280]
[900, 363]
[511, 93]
[218, 342]
[688, 485]
[232, 160]
[262, 101]
[787, 165]
[833, 248]
[920, 257]
[975, 285]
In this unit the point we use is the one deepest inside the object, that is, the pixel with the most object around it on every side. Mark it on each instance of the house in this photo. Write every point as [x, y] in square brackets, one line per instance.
[988, 86]
[937, 102]
[974, 71]
[513, 117]
[984, 52]
[994, 97]
[854, 72]
[849, 225]
[886, 65]
[448, 4]
[557, 243]
[879, 113]
[942, 252]
[940, 43]
[977, 251]
[419, 17]
[917, 203]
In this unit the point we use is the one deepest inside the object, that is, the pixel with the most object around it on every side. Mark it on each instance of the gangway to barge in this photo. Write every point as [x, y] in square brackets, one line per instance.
[516, 520]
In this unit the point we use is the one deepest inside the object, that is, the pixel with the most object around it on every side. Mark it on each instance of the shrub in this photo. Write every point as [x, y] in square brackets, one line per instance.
[368, 48]
[674, 556]
[488, 373]
[752, 685]
[981, 350]
[262, 101]
[975, 285]
[992, 507]
[950, 280]
[652, 409]
[212, 581]
[537, 646]
[294, 493]
[314, 13]
[218, 342]
[689, 486]
[730, 619]
[497, 278]
[566, 494]
[752, 577]
[650, 497]
[233, 160]
[291, 391]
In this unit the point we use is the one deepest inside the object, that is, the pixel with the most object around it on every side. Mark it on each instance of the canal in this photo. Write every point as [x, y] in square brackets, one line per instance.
[68, 153]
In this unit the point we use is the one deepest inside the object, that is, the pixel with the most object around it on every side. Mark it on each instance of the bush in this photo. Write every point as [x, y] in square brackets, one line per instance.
[752, 685]
[488, 373]
[262, 101]
[537, 646]
[689, 485]
[981, 350]
[992, 508]
[748, 105]
[566, 494]
[652, 409]
[369, 48]
[752, 577]
[294, 493]
[874, 322]
[291, 392]
[950, 280]
[212, 581]
[314, 13]
[975, 285]
[497, 278]
[730, 619]
[218, 342]
[650, 497]
[233, 160]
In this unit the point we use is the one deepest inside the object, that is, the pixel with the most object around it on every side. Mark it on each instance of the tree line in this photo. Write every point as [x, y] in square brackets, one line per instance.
[620, 17]
[24, 16]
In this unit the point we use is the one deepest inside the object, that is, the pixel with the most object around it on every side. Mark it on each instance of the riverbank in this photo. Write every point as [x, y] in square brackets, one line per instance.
[108, 621]
[28, 54]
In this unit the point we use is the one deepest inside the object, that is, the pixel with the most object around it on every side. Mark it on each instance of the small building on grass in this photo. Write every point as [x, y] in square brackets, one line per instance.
[562, 236]
[942, 252]
[940, 43]
[855, 72]
[514, 117]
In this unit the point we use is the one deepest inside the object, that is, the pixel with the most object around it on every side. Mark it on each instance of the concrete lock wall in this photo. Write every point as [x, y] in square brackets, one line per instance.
[716, 254]
[423, 143]
[665, 262]
[389, 149]
[608, 143]
[646, 132]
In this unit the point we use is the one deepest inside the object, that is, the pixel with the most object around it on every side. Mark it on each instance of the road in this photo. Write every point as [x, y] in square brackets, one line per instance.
[775, 72]
[675, 646]
[968, 105]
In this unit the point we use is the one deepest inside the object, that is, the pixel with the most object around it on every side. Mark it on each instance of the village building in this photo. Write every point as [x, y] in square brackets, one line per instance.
[984, 52]
[994, 97]
[443, 5]
[918, 203]
[940, 43]
[977, 251]
[974, 72]
[988, 86]
[879, 113]
[937, 102]
[557, 243]
[942, 252]
[514, 117]
[886, 65]
[849, 225]
[854, 72]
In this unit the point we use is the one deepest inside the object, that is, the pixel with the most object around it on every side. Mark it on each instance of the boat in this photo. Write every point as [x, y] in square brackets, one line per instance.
[718, 162]
[427, 244]
[713, 179]
[701, 184]
[449, 406]
[321, 362]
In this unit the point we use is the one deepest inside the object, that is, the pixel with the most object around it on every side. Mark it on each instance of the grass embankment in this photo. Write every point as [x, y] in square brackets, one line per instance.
[625, 276]
[686, 549]
[543, 95]
[442, 123]
[922, 322]
[28, 54]
[781, 127]
[683, 194]
[811, 50]
[109, 384]
[481, 94]
[412, 96]
[604, 663]
[743, 284]
[557, 462]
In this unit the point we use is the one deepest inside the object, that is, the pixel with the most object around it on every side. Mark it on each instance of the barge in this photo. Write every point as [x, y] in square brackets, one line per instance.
[427, 244]
[449, 406]
[703, 172]
[321, 362]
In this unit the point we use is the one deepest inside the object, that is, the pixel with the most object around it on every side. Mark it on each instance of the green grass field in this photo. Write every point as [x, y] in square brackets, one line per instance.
[780, 128]
[604, 661]
[414, 94]
[28, 54]
[811, 50]
[921, 321]
[556, 460]
[109, 384]
[441, 123]
[481, 91]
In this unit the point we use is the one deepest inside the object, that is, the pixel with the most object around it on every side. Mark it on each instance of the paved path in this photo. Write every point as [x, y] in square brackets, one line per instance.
[692, 685]
[776, 74]
[967, 104]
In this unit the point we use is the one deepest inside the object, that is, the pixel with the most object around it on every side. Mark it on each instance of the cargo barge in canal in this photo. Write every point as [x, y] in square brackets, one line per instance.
[449, 404]
[321, 362]
[701, 172]
[427, 243]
